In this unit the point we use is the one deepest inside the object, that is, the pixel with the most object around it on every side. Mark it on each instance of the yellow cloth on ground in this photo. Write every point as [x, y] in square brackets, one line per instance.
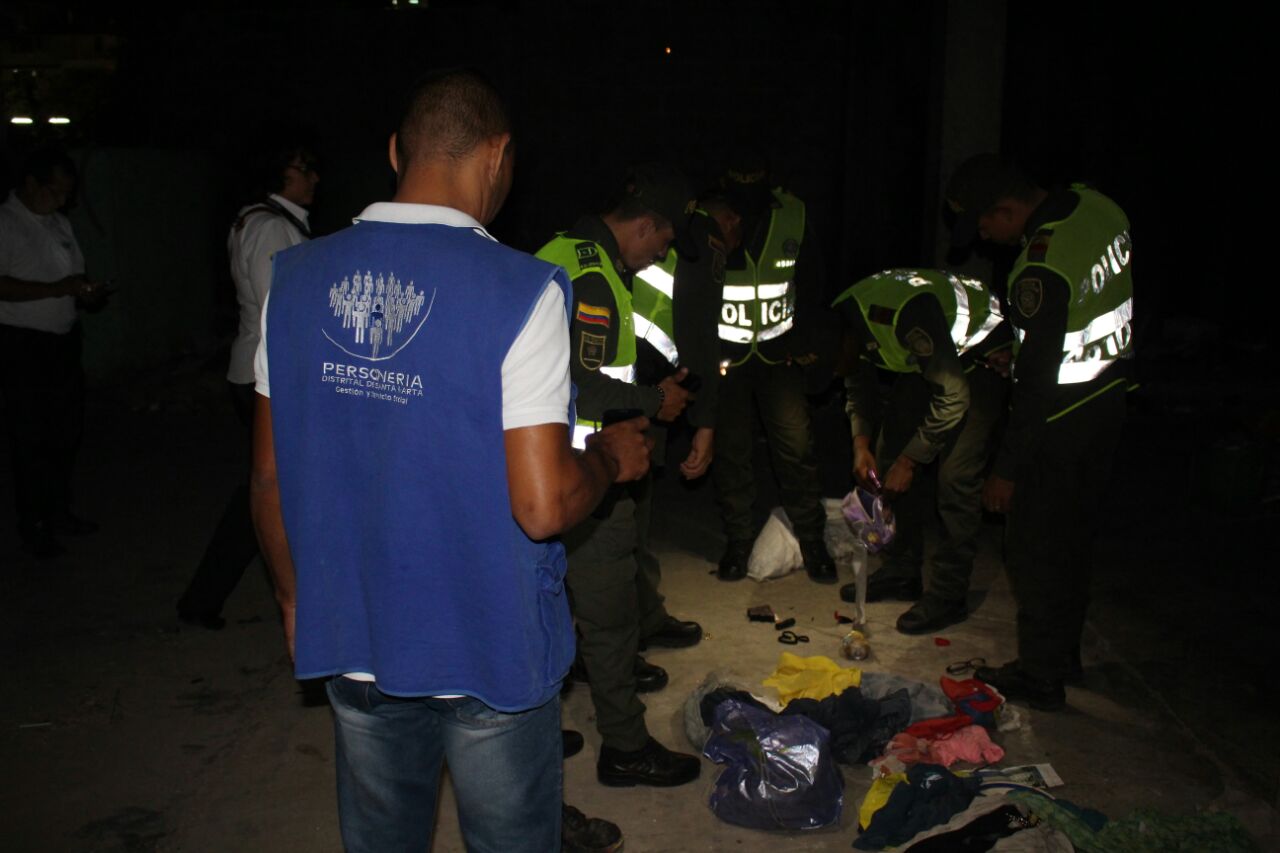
[815, 677]
[877, 796]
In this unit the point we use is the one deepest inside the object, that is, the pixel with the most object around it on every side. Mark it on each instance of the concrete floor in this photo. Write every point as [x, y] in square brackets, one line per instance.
[131, 733]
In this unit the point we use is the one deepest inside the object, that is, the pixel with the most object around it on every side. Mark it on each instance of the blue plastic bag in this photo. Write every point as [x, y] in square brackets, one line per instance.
[780, 773]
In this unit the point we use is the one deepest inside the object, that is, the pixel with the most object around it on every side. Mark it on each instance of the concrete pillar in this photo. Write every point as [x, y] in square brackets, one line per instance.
[972, 97]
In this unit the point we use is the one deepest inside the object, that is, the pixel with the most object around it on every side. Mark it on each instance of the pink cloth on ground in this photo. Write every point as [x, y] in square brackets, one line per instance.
[972, 744]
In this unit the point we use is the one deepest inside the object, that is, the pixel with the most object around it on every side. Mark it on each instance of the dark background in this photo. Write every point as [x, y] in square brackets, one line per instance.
[1165, 112]
[1160, 113]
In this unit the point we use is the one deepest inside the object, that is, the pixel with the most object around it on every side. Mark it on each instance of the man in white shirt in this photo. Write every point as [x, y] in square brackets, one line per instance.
[42, 382]
[286, 178]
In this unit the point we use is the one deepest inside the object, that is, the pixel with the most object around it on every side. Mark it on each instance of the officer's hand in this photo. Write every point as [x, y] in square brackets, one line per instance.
[674, 398]
[1000, 361]
[997, 494]
[864, 464]
[627, 447]
[700, 454]
[898, 480]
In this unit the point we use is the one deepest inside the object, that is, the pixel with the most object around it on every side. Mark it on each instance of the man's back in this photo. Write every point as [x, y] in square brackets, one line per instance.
[411, 525]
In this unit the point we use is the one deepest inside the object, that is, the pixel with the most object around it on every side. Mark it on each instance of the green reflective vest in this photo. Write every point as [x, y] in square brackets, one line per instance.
[579, 257]
[759, 301]
[653, 289]
[971, 310]
[1092, 251]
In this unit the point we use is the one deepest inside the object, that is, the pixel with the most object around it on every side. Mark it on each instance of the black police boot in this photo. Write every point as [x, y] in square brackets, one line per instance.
[733, 563]
[651, 764]
[649, 678]
[582, 834]
[673, 634]
[930, 614]
[895, 587]
[1017, 684]
[817, 561]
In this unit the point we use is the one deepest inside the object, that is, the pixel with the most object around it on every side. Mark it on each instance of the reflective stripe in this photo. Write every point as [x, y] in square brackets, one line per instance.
[773, 291]
[775, 331]
[626, 372]
[654, 335]
[581, 430]
[1069, 373]
[659, 279]
[735, 334]
[1100, 327]
[739, 293]
[989, 325]
[960, 325]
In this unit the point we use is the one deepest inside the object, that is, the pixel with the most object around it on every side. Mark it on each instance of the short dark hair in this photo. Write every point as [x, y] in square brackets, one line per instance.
[41, 163]
[448, 114]
[267, 165]
[626, 208]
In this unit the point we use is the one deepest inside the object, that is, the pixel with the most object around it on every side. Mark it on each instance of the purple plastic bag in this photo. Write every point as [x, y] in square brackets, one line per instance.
[871, 520]
[780, 772]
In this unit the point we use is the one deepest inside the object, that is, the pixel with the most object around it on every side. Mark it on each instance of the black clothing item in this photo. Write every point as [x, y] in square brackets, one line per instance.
[42, 385]
[860, 727]
[931, 796]
[977, 836]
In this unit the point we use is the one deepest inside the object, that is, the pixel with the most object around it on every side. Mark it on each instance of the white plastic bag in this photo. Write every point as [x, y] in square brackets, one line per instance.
[777, 551]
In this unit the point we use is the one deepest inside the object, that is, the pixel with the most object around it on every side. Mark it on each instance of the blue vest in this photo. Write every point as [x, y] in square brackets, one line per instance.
[385, 345]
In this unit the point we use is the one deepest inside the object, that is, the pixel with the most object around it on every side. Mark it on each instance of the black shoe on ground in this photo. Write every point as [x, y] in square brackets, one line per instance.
[882, 587]
[817, 561]
[572, 742]
[649, 678]
[1073, 675]
[930, 614]
[733, 563]
[1015, 684]
[212, 621]
[652, 764]
[673, 634]
[582, 834]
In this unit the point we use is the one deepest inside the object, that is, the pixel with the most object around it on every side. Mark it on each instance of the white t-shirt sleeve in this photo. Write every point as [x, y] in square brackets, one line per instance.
[261, 383]
[535, 373]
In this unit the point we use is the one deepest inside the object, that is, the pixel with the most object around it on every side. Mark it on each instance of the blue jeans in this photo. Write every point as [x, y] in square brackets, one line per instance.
[506, 770]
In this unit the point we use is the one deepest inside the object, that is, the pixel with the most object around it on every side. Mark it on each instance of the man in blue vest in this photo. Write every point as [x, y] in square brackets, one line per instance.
[774, 299]
[615, 593]
[1071, 306]
[407, 487]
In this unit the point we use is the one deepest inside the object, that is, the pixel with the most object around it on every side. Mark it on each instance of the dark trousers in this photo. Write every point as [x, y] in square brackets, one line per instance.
[42, 383]
[613, 586]
[234, 543]
[1053, 522]
[776, 391]
[958, 469]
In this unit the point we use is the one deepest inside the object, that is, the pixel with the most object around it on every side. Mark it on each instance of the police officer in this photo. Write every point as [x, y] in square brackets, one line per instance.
[1071, 305]
[616, 601]
[773, 298]
[938, 332]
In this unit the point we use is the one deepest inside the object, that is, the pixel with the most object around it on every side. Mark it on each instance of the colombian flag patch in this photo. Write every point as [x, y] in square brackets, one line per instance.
[595, 315]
